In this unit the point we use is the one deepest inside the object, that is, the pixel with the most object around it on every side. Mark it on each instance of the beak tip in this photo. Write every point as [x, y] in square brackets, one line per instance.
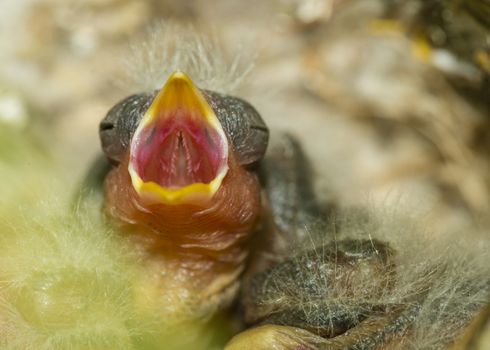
[178, 75]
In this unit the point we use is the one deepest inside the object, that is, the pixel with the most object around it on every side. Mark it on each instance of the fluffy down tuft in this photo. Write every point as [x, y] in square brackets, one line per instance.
[443, 280]
[168, 46]
[66, 280]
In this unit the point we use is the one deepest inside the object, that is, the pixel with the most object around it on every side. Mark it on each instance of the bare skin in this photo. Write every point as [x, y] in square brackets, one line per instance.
[196, 251]
[205, 245]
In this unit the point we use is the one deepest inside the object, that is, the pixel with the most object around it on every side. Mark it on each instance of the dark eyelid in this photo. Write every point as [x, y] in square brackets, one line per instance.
[241, 122]
[106, 126]
[260, 127]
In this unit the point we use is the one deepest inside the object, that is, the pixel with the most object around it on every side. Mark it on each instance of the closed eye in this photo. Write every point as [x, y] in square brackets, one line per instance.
[106, 126]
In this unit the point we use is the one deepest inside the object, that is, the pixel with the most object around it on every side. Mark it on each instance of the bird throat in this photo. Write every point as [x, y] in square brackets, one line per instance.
[205, 244]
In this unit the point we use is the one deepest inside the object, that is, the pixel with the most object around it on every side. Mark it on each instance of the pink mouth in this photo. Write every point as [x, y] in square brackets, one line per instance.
[178, 151]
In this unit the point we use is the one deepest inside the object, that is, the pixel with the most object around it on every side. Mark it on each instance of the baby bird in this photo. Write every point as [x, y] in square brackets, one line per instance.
[183, 187]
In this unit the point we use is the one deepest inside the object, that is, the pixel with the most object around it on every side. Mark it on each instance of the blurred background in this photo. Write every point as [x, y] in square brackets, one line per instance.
[390, 98]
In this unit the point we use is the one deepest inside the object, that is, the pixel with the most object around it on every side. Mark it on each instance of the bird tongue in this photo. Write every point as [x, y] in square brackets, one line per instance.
[177, 158]
[185, 166]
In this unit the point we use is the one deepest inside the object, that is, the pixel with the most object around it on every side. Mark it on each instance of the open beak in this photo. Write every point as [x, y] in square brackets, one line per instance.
[179, 152]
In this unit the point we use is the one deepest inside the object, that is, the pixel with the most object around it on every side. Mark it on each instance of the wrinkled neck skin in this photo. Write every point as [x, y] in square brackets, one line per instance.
[204, 246]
